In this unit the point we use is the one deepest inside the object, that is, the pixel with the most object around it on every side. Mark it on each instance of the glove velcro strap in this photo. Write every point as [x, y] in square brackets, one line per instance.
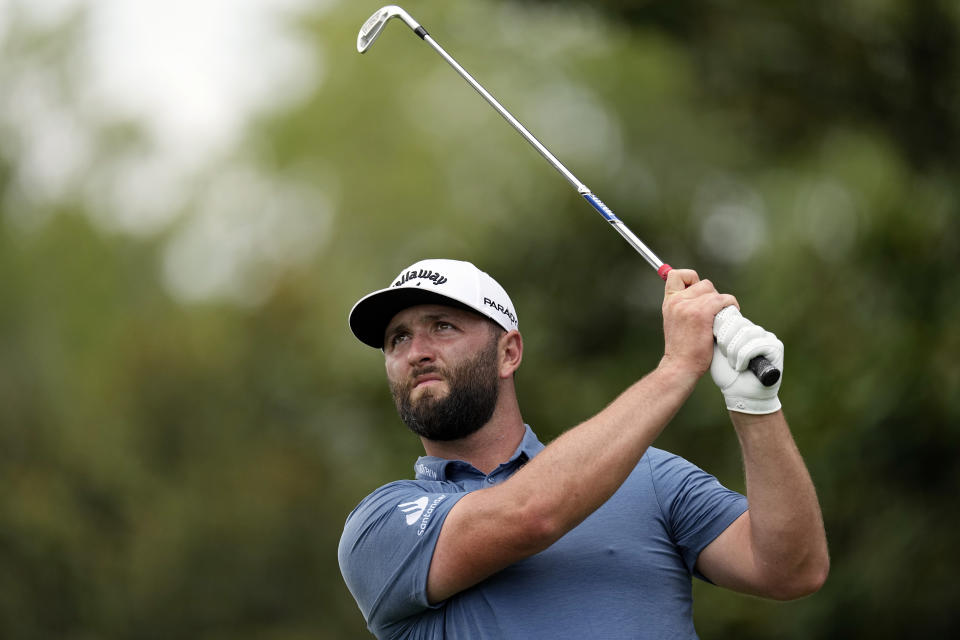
[755, 407]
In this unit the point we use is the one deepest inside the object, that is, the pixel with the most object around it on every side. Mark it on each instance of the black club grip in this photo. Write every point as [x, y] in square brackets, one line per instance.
[765, 371]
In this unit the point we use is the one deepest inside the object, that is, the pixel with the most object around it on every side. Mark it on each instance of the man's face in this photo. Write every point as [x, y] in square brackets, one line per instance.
[443, 369]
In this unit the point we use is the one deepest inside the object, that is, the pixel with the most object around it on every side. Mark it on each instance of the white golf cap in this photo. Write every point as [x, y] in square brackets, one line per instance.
[434, 281]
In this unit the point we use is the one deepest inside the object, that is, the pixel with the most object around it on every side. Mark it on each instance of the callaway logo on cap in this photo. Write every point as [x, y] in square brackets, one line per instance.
[434, 281]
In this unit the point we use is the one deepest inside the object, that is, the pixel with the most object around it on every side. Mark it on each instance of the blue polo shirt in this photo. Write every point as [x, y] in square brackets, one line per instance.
[624, 572]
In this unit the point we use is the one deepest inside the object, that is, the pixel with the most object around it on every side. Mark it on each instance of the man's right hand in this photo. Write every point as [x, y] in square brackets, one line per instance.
[689, 307]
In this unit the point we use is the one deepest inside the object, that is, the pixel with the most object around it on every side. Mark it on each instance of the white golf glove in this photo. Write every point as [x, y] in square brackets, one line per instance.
[738, 342]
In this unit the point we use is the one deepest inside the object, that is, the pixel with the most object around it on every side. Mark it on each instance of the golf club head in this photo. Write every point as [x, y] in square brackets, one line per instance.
[374, 25]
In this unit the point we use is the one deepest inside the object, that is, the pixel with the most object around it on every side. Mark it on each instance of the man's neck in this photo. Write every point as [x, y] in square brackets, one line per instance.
[487, 448]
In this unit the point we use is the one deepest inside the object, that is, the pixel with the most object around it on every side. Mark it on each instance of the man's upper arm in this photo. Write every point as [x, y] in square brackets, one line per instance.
[405, 549]
[482, 534]
[386, 549]
[698, 508]
[729, 561]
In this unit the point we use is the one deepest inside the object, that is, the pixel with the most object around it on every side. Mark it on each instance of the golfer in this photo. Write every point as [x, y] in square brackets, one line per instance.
[596, 535]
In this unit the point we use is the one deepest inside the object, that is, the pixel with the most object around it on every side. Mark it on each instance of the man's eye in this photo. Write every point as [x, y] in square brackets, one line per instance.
[444, 325]
[398, 338]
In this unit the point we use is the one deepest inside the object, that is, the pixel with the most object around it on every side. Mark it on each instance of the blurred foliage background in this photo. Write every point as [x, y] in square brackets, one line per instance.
[185, 419]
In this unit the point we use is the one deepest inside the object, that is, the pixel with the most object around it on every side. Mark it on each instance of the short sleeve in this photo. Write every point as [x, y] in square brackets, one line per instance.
[386, 549]
[697, 507]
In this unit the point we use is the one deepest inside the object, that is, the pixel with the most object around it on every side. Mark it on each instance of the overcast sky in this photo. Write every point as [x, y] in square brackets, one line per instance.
[192, 73]
[210, 62]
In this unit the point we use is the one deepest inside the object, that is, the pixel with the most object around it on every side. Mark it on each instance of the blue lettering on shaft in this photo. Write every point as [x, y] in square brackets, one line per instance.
[600, 207]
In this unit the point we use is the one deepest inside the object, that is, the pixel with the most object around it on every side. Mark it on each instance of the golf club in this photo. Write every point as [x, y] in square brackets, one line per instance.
[765, 371]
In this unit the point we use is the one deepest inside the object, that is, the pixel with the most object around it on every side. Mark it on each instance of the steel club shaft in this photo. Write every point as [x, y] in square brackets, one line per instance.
[765, 371]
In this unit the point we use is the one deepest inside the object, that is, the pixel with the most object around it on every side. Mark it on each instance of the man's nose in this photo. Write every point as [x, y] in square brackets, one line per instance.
[421, 349]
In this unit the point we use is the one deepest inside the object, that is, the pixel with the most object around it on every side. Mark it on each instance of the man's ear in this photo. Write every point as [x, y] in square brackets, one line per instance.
[511, 353]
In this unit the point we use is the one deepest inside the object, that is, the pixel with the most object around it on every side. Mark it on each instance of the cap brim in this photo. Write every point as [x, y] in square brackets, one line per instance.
[372, 313]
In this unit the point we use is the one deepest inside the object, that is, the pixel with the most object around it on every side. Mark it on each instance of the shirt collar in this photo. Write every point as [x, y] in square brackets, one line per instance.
[433, 468]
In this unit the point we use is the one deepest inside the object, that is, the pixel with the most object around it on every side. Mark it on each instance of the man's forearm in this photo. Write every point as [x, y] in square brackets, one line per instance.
[787, 531]
[582, 468]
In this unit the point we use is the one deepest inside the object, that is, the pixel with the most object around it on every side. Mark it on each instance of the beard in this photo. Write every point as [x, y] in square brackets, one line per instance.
[468, 405]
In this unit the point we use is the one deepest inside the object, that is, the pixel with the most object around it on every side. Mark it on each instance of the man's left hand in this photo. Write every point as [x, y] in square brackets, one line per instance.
[738, 342]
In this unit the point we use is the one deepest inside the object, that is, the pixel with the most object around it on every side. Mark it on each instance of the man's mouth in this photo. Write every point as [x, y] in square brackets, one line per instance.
[426, 379]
